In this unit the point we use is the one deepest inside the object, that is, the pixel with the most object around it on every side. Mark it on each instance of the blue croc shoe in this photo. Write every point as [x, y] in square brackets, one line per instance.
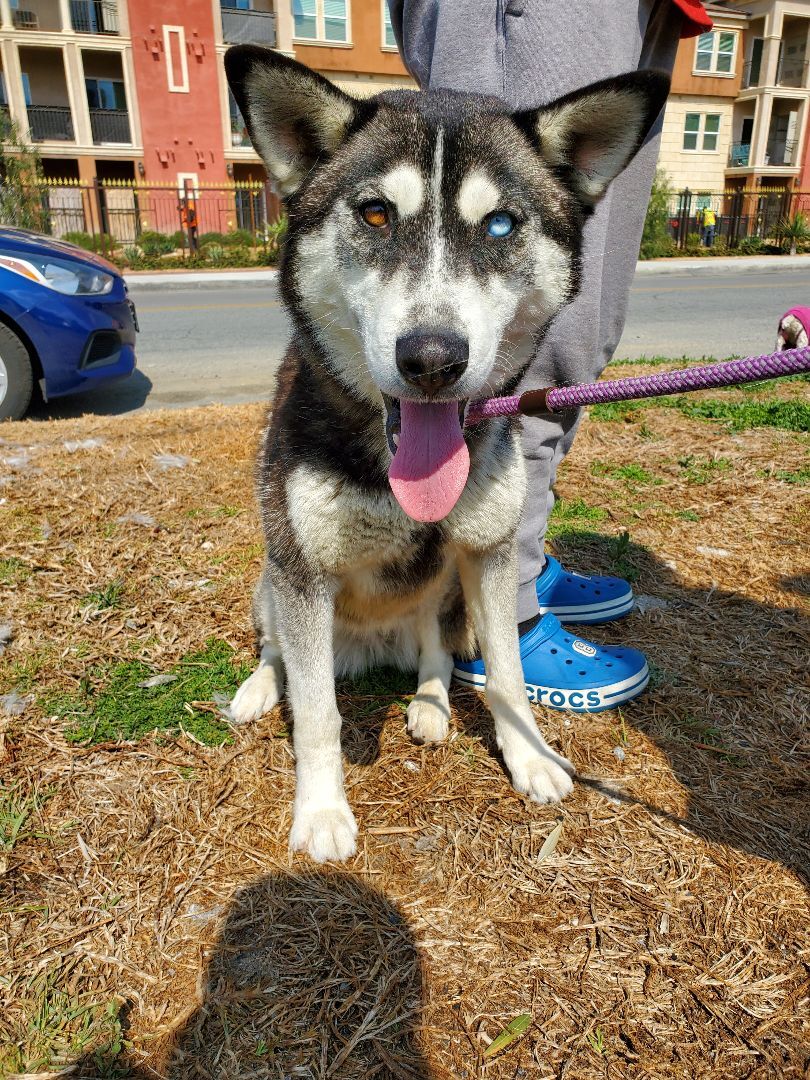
[574, 598]
[566, 673]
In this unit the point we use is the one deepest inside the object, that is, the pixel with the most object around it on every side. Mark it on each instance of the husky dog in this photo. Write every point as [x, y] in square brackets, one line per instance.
[432, 237]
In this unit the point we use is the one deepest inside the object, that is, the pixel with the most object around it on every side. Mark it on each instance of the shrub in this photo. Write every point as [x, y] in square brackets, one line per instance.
[791, 230]
[98, 242]
[80, 239]
[750, 245]
[179, 239]
[155, 243]
[655, 239]
[239, 238]
[207, 238]
[214, 254]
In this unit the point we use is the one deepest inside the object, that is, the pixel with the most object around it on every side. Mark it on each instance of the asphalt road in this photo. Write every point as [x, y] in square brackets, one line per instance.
[222, 343]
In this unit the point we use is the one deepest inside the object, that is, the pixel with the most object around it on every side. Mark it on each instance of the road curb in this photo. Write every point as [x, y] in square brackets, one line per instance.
[199, 279]
[710, 264]
[146, 281]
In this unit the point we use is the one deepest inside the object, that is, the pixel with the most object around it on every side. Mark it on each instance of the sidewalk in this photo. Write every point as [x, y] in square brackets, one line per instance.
[148, 280]
[715, 263]
[151, 280]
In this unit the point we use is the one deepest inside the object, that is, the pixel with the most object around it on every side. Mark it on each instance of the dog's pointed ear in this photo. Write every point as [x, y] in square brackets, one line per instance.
[589, 136]
[295, 117]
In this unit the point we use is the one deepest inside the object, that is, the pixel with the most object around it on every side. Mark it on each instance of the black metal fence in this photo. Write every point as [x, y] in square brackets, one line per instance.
[740, 215]
[121, 212]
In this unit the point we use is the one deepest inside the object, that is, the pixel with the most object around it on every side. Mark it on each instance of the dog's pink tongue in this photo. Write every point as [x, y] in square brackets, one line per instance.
[430, 467]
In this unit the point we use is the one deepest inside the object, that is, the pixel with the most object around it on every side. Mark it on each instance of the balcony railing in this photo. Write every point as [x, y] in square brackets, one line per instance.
[739, 155]
[24, 19]
[790, 73]
[781, 153]
[94, 16]
[50, 123]
[110, 126]
[248, 27]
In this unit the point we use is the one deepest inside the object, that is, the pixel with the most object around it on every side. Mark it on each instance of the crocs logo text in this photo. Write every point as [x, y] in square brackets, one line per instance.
[583, 648]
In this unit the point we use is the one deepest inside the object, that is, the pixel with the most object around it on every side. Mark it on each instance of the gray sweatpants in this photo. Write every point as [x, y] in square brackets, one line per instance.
[529, 52]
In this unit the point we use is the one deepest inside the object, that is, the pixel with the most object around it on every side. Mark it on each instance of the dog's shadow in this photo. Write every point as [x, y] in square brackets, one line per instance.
[727, 702]
[312, 973]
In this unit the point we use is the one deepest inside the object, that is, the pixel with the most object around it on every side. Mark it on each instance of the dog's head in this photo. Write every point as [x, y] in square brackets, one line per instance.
[432, 236]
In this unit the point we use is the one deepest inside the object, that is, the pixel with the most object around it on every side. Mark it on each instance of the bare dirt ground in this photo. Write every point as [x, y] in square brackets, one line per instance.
[153, 923]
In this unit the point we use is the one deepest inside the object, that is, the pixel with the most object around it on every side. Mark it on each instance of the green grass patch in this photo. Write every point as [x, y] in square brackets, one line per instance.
[573, 514]
[108, 597]
[111, 706]
[630, 474]
[13, 571]
[702, 470]
[744, 415]
[616, 410]
[688, 515]
[674, 362]
[801, 477]
[61, 1025]
[16, 812]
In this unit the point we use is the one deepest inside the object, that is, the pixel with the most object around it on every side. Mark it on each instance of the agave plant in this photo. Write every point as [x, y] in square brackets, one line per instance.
[791, 230]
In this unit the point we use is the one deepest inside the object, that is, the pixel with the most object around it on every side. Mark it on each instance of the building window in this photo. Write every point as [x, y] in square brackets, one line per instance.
[714, 54]
[701, 131]
[321, 20]
[105, 94]
[389, 41]
[26, 84]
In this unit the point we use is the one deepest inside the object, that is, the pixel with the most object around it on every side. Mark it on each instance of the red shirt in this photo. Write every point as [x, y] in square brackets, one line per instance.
[695, 18]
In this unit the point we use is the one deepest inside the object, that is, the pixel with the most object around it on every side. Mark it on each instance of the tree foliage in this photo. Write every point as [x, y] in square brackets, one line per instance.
[655, 239]
[21, 201]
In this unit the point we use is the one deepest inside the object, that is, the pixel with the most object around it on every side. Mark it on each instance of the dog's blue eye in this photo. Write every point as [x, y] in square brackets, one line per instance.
[500, 224]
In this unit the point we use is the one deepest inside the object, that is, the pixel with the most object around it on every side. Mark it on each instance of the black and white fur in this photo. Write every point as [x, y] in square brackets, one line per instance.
[350, 581]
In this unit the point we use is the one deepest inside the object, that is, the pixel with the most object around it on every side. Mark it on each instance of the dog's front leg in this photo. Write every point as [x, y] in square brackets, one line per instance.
[429, 711]
[489, 581]
[323, 824]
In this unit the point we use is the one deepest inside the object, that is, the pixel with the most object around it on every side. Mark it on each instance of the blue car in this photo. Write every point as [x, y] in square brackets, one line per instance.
[66, 322]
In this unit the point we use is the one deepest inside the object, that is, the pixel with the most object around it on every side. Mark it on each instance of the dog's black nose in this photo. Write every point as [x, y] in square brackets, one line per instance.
[432, 359]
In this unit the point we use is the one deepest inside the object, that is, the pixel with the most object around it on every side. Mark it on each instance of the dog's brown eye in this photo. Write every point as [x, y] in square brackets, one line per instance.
[375, 214]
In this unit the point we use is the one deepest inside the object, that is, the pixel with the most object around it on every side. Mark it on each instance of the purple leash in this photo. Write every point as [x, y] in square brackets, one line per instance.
[552, 399]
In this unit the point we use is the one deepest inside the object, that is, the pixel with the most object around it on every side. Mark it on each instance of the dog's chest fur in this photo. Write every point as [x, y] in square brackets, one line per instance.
[329, 511]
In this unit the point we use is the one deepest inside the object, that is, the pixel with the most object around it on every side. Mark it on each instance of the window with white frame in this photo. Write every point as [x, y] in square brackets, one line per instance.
[714, 53]
[389, 41]
[701, 131]
[321, 20]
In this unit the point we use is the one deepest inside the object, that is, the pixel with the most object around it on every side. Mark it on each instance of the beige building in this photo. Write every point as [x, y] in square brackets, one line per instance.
[771, 111]
[699, 118]
[737, 116]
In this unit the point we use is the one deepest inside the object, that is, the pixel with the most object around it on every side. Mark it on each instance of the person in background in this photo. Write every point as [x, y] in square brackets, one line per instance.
[708, 225]
[528, 52]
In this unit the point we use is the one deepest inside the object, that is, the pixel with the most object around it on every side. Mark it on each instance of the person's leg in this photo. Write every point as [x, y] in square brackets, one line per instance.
[529, 54]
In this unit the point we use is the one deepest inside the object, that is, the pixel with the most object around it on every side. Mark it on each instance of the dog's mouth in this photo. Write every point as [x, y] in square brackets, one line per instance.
[430, 460]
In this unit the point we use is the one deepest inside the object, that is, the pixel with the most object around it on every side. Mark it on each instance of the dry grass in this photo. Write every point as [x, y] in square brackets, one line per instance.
[153, 923]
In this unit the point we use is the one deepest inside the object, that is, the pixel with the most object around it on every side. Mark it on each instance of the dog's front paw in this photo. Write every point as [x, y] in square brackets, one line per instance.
[545, 778]
[428, 720]
[326, 834]
[258, 694]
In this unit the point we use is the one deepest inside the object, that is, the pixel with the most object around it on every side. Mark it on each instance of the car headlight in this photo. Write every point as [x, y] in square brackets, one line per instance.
[70, 278]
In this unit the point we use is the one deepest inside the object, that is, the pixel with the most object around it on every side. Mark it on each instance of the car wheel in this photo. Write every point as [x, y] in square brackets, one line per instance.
[16, 376]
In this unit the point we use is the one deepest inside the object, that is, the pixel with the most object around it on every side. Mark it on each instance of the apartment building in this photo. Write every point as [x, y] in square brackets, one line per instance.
[136, 90]
[737, 116]
[771, 110]
[699, 120]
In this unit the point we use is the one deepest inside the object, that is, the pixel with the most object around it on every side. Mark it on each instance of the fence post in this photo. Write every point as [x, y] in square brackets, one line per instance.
[684, 213]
